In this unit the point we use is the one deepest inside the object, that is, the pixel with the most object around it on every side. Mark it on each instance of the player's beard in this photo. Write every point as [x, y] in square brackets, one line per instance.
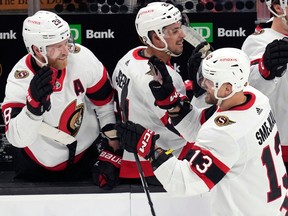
[58, 64]
[210, 99]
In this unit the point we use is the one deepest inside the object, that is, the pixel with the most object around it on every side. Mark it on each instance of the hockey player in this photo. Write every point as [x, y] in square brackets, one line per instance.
[236, 155]
[159, 27]
[64, 85]
[268, 52]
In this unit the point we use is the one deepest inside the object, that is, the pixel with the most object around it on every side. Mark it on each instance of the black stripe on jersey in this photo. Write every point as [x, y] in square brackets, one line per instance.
[172, 128]
[101, 94]
[207, 113]
[206, 166]
[16, 108]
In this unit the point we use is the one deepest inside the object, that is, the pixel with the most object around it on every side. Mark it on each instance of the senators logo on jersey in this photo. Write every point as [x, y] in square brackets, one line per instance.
[71, 118]
[21, 74]
[223, 121]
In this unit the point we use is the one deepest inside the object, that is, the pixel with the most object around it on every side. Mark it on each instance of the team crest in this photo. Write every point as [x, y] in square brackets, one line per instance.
[76, 120]
[71, 118]
[77, 49]
[21, 74]
[223, 121]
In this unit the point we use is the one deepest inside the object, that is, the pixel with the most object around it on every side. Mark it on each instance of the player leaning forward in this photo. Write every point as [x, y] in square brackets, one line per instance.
[236, 155]
[62, 84]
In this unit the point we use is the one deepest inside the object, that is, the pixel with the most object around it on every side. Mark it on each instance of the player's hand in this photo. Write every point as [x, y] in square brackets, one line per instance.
[165, 94]
[105, 172]
[137, 139]
[38, 98]
[275, 58]
[193, 66]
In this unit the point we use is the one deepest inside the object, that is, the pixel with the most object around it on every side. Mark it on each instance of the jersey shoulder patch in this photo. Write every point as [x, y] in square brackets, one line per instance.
[21, 74]
[223, 121]
[76, 49]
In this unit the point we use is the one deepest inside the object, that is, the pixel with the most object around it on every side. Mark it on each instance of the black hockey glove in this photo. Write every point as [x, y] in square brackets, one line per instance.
[275, 58]
[193, 65]
[136, 139]
[105, 172]
[38, 98]
[165, 94]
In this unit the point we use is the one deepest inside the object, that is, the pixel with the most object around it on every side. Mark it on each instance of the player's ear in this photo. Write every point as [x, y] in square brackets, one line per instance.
[277, 8]
[36, 50]
[155, 39]
[228, 88]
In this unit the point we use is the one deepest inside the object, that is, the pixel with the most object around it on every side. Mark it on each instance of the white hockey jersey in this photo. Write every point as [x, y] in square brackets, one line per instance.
[132, 68]
[83, 88]
[276, 89]
[236, 156]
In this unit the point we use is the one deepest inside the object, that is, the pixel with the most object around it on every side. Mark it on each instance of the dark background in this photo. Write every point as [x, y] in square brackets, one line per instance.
[110, 50]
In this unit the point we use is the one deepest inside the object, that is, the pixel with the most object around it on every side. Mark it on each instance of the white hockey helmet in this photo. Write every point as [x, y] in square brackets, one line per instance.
[227, 65]
[154, 17]
[42, 29]
[283, 5]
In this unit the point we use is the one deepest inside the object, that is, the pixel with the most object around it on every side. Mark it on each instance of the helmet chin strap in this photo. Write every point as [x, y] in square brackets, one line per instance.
[39, 61]
[284, 20]
[220, 99]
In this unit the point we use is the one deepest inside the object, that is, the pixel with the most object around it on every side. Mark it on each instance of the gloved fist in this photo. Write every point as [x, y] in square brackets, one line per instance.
[137, 139]
[105, 172]
[275, 59]
[193, 66]
[38, 98]
[164, 93]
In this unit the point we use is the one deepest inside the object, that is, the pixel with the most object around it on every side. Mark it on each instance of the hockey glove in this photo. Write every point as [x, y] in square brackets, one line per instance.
[38, 98]
[136, 139]
[165, 94]
[275, 59]
[193, 65]
[105, 172]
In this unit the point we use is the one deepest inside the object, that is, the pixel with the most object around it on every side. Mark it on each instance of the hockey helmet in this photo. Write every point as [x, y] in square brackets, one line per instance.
[154, 17]
[227, 65]
[42, 29]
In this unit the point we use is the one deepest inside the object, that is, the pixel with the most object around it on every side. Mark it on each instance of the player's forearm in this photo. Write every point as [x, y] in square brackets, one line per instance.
[106, 114]
[177, 178]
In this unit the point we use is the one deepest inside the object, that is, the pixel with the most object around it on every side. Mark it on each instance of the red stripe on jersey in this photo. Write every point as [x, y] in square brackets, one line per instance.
[98, 85]
[185, 150]
[165, 118]
[284, 153]
[12, 105]
[248, 104]
[137, 56]
[60, 167]
[203, 117]
[129, 169]
[102, 102]
[28, 63]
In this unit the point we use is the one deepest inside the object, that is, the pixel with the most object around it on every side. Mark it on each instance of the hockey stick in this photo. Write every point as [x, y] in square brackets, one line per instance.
[55, 134]
[124, 94]
[193, 37]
